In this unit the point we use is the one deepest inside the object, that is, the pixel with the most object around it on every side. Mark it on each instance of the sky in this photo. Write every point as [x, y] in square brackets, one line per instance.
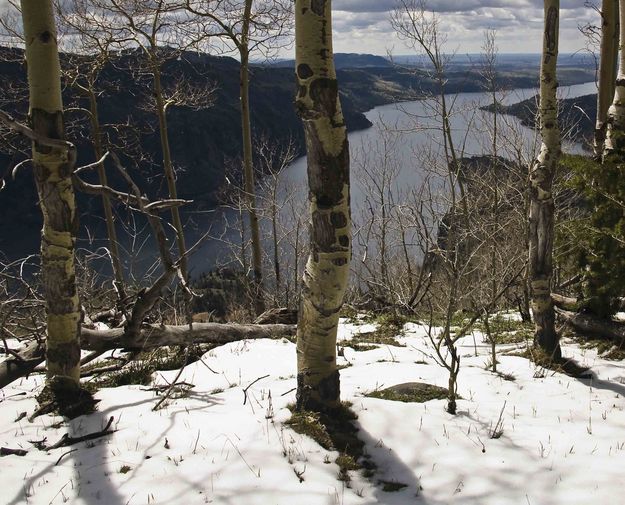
[362, 26]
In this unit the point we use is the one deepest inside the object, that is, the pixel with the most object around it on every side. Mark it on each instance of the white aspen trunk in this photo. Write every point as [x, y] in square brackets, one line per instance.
[248, 167]
[53, 169]
[327, 270]
[607, 70]
[98, 150]
[615, 140]
[541, 212]
[168, 166]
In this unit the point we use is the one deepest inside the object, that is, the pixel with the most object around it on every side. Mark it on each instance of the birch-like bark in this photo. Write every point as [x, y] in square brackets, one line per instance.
[248, 167]
[161, 110]
[327, 269]
[607, 70]
[53, 168]
[541, 213]
[98, 150]
[615, 138]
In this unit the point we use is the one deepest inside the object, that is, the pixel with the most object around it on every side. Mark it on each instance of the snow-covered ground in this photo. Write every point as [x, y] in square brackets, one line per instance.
[563, 439]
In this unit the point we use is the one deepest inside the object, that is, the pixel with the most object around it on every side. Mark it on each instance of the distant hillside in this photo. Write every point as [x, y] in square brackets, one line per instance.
[347, 60]
[576, 115]
[206, 141]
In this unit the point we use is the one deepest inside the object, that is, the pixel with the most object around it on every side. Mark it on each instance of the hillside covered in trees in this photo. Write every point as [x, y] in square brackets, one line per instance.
[205, 140]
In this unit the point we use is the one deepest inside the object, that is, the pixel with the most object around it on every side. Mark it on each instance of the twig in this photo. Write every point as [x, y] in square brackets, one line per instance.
[101, 370]
[159, 388]
[488, 307]
[44, 408]
[31, 134]
[66, 440]
[173, 384]
[6, 451]
[63, 455]
[18, 166]
[95, 164]
[90, 357]
[250, 385]
[497, 431]
[11, 396]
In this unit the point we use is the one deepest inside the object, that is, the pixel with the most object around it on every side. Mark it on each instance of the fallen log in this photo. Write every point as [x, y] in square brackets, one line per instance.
[592, 326]
[24, 363]
[149, 337]
[155, 335]
[565, 302]
[573, 304]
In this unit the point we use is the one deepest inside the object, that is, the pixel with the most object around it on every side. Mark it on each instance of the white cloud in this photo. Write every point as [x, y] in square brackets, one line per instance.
[363, 26]
[360, 24]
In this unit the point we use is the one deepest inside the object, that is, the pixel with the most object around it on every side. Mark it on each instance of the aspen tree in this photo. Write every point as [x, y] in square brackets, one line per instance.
[607, 70]
[541, 212]
[248, 25]
[53, 168]
[327, 269]
[615, 139]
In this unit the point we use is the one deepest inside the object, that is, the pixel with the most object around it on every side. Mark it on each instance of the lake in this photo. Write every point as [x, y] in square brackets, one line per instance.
[404, 143]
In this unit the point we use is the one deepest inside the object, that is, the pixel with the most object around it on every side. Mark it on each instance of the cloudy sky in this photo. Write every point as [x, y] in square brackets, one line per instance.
[362, 26]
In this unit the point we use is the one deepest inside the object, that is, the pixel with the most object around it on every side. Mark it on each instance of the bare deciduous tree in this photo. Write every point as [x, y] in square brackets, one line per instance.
[248, 25]
[327, 269]
[53, 164]
[607, 70]
[541, 193]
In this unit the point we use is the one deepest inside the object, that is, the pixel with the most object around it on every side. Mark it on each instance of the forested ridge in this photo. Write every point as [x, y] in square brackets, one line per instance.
[206, 141]
[575, 114]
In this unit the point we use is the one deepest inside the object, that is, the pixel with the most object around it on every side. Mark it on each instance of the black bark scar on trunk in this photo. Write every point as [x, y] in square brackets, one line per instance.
[304, 71]
[323, 92]
[45, 37]
[66, 354]
[326, 185]
[318, 6]
[327, 390]
[550, 28]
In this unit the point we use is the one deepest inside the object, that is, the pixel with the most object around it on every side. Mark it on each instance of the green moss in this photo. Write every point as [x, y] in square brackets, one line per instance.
[414, 392]
[173, 358]
[348, 312]
[360, 347]
[347, 462]
[616, 354]
[389, 327]
[65, 397]
[335, 431]
[309, 423]
[506, 331]
[140, 370]
[136, 372]
[124, 469]
[563, 365]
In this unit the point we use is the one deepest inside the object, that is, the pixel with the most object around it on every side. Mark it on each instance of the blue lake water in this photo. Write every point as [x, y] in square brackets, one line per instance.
[405, 139]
